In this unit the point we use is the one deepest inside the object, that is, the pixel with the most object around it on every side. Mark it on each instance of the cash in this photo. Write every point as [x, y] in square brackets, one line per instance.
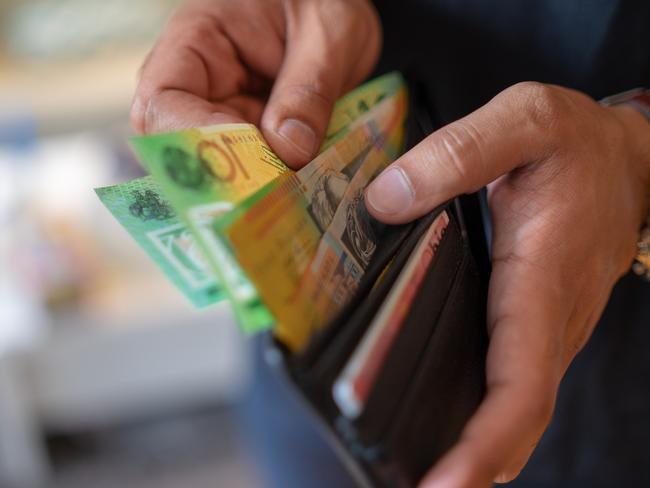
[204, 173]
[260, 233]
[139, 206]
[317, 236]
[356, 103]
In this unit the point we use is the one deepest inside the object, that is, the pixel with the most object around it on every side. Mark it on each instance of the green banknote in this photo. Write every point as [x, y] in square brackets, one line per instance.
[205, 172]
[359, 101]
[151, 221]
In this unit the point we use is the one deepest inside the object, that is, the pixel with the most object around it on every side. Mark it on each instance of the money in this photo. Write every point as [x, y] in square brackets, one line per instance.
[151, 221]
[297, 210]
[352, 387]
[204, 173]
[356, 103]
[208, 172]
[343, 252]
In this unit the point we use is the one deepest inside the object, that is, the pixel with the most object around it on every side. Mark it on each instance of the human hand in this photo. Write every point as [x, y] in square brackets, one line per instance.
[280, 64]
[568, 181]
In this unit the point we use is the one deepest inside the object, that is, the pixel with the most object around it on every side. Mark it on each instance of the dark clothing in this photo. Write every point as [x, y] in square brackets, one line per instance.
[467, 51]
[600, 433]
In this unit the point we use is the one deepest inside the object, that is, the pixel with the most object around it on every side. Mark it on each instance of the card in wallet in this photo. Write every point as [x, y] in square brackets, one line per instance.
[396, 375]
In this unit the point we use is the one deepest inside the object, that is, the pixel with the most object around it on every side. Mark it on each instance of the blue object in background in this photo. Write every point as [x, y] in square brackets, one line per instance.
[18, 130]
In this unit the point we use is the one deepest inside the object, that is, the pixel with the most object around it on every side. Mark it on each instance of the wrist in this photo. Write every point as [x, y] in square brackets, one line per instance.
[638, 126]
[637, 139]
[633, 109]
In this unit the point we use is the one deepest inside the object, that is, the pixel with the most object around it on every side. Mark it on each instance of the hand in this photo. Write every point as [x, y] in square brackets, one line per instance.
[281, 64]
[568, 181]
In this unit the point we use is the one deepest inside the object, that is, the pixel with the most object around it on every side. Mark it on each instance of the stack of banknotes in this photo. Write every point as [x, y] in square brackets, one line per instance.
[223, 216]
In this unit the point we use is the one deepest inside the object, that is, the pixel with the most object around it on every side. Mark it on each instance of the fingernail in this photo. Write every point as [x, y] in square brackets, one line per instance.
[299, 135]
[391, 192]
[504, 478]
[501, 478]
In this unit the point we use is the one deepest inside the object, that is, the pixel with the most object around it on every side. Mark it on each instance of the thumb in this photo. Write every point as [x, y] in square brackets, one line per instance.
[316, 70]
[515, 128]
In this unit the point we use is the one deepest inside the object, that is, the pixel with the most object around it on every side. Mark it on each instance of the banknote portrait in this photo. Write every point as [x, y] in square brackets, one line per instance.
[360, 235]
[330, 189]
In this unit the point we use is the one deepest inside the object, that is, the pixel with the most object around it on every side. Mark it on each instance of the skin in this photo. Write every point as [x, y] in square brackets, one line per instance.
[260, 61]
[568, 184]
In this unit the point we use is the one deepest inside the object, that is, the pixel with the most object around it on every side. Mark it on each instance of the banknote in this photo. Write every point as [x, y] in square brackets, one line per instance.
[356, 103]
[151, 221]
[292, 215]
[345, 249]
[204, 172]
[343, 252]
[352, 387]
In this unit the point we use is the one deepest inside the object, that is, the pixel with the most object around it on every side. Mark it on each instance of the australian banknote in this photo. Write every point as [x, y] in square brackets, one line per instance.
[151, 221]
[203, 174]
[301, 216]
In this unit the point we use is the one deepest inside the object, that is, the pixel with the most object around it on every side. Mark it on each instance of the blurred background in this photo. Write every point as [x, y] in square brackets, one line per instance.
[108, 377]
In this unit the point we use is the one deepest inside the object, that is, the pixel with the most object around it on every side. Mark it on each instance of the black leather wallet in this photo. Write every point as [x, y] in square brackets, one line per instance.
[433, 376]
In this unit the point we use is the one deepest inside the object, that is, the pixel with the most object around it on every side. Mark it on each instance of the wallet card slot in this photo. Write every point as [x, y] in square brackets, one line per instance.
[402, 360]
[449, 383]
[392, 240]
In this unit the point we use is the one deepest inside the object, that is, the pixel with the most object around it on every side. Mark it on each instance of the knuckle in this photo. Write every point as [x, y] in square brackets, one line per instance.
[202, 28]
[459, 152]
[545, 105]
[346, 20]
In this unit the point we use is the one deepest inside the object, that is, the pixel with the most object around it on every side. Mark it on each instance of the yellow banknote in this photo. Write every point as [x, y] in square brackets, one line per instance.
[277, 234]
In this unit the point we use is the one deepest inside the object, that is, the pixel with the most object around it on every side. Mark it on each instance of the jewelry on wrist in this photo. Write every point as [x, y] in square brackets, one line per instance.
[641, 264]
[638, 98]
